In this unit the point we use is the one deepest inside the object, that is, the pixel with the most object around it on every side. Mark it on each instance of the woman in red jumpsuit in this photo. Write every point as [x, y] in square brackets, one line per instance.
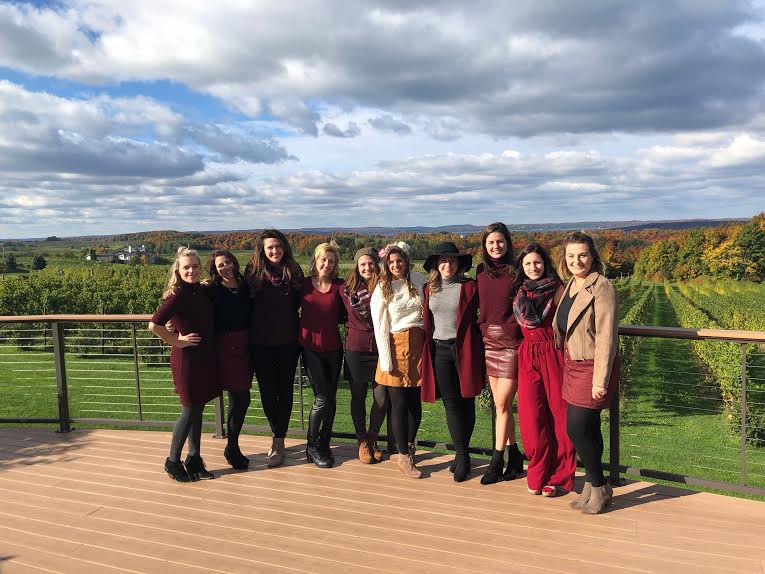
[541, 408]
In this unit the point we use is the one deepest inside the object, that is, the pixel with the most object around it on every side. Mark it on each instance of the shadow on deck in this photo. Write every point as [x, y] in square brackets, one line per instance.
[98, 501]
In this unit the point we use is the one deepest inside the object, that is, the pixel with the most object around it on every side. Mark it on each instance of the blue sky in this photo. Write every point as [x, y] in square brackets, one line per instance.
[119, 116]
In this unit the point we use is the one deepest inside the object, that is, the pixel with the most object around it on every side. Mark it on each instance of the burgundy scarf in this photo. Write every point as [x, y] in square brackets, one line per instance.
[534, 301]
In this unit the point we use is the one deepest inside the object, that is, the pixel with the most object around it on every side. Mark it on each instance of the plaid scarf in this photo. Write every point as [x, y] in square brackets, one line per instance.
[534, 301]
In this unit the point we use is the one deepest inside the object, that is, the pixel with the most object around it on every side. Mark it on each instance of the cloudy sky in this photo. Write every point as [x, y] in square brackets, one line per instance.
[121, 116]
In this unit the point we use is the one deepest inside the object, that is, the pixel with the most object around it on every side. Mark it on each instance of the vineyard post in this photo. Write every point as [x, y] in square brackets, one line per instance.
[742, 445]
[613, 441]
[136, 370]
[59, 351]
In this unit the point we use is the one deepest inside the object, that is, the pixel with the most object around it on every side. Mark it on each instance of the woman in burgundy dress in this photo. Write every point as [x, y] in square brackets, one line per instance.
[232, 308]
[321, 310]
[501, 338]
[274, 279]
[192, 360]
[361, 353]
[541, 408]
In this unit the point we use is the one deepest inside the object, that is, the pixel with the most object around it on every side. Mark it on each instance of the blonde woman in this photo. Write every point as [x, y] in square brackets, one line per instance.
[322, 349]
[192, 360]
[396, 307]
[587, 327]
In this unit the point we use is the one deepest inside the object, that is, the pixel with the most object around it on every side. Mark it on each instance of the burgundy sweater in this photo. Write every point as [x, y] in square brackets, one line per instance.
[496, 296]
[275, 316]
[320, 315]
[361, 332]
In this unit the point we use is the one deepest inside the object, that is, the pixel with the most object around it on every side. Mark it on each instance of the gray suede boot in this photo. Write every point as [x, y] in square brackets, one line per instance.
[600, 497]
[582, 499]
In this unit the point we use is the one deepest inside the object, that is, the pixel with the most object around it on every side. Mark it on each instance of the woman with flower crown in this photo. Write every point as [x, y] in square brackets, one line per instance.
[396, 308]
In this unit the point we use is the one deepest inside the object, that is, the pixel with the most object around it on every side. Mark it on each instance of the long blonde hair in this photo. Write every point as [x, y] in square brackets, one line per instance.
[321, 250]
[435, 282]
[386, 278]
[174, 280]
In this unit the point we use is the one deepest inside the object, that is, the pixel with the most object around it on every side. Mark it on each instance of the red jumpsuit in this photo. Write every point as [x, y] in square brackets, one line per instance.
[542, 410]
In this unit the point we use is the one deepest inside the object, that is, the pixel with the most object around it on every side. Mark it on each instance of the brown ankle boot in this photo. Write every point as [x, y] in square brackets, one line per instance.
[375, 450]
[276, 454]
[406, 466]
[600, 497]
[365, 454]
[582, 499]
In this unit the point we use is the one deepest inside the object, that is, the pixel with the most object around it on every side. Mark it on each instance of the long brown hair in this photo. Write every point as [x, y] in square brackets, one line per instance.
[212, 270]
[577, 237]
[507, 258]
[386, 278]
[354, 280]
[255, 273]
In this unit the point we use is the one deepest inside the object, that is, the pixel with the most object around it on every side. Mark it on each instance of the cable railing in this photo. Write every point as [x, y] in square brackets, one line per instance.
[679, 416]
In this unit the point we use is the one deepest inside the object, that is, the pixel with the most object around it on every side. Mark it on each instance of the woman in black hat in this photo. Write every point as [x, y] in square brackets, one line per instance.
[361, 352]
[452, 362]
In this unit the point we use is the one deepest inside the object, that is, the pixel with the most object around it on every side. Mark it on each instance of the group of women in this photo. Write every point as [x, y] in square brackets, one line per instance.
[413, 339]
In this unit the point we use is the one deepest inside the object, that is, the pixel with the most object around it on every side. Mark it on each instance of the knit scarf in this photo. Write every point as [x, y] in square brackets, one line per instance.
[534, 301]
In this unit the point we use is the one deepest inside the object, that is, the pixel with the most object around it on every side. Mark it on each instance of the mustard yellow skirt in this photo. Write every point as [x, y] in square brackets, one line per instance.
[406, 355]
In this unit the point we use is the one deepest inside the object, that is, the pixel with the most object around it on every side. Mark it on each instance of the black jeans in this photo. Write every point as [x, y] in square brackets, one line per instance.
[275, 372]
[405, 415]
[323, 372]
[583, 428]
[460, 412]
[361, 368]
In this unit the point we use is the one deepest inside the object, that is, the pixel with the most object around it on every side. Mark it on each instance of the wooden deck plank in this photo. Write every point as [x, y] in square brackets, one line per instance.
[107, 490]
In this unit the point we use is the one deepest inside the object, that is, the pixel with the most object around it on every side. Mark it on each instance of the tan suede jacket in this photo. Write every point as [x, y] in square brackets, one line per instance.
[593, 326]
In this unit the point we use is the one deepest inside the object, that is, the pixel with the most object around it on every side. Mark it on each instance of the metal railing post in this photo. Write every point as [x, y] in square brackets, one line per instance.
[299, 377]
[137, 371]
[220, 426]
[59, 351]
[742, 440]
[613, 441]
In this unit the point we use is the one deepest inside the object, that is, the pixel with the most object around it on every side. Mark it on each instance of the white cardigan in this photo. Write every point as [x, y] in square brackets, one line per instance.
[402, 312]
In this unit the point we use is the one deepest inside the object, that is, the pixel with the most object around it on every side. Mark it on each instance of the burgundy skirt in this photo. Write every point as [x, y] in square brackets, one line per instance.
[233, 353]
[577, 383]
[501, 357]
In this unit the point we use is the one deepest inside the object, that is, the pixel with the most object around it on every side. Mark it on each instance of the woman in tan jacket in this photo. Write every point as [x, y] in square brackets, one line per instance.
[587, 323]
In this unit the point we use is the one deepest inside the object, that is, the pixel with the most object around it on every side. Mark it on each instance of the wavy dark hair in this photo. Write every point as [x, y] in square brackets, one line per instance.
[386, 277]
[255, 273]
[212, 271]
[550, 272]
[577, 237]
[507, 258]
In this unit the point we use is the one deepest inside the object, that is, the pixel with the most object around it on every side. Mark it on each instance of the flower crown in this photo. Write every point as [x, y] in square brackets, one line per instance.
[402, 245]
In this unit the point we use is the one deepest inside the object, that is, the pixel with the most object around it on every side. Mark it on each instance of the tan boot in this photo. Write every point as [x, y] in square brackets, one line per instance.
[276, 454]
[406, 466]
[600, 497]
[365, 455]
[375, 450]
[582, 499]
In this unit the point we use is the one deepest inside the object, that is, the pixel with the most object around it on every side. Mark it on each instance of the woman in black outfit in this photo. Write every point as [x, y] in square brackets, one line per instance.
[232, 308]
[274, 279]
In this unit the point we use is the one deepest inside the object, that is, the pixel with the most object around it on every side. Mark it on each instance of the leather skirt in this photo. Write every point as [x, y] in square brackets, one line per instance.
[501, 358]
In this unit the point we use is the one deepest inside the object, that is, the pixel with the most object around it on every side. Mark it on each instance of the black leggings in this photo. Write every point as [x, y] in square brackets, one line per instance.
[238, 403]
[188, 425]
[361, 368]
[275, 371]
[323, 372]
[460, 412]
[583, 428]
[405, 415]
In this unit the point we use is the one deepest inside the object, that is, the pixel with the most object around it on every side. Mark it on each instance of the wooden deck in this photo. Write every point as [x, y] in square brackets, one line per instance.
[98, 501]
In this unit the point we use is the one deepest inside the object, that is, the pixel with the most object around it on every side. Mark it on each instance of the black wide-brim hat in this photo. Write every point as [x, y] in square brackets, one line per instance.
[448, 249]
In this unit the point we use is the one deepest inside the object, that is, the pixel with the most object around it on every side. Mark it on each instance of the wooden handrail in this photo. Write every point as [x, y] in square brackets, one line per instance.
[630, 330]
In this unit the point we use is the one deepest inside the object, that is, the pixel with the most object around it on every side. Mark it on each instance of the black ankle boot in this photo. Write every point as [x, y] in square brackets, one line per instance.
[461, 466]
[514, 463]
[494, 472]
[314, 455]
[323, 446]
[235, 457]
[176, 471]
[197, 470]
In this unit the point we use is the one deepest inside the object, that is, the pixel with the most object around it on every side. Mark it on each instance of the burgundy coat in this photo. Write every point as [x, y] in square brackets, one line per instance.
[470, 362]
